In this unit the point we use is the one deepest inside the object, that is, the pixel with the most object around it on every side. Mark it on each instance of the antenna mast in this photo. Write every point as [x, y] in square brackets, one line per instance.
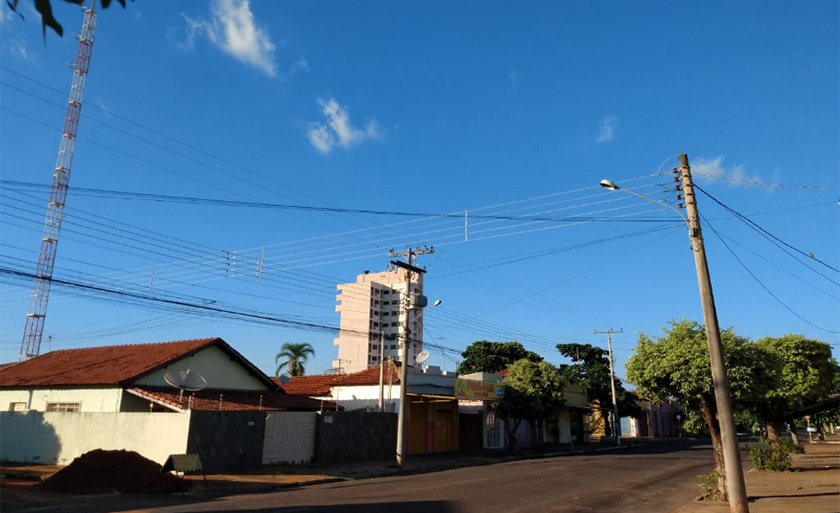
[31, 344]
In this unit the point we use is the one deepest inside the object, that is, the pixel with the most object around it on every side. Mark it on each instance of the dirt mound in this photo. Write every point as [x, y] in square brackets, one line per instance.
[102, 471]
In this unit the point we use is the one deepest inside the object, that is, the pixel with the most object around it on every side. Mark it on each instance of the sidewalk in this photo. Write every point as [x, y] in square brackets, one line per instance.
[814, 486]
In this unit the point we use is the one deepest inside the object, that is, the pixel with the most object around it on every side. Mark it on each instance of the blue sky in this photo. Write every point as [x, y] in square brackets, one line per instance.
[486, 107]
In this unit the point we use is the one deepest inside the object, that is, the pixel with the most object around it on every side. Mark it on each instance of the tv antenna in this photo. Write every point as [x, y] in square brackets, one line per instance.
[185, 380]
[285, 377]
[422, 356]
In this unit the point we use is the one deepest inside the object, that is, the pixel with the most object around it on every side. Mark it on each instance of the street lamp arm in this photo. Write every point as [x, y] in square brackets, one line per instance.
[613, 187]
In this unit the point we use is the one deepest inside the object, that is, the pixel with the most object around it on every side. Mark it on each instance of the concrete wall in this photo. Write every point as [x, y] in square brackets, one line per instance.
[227, 440]
[355, 436]
[212, 364]
[37, 437]
[103, 399]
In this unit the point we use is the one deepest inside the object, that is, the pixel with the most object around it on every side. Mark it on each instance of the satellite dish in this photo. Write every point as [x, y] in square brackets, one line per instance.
[285, 377]
[422, 356]
[185, 380]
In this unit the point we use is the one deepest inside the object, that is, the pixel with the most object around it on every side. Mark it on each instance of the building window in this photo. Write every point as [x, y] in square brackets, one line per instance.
[386, 314]
[393, 324]
[373, 358]
[63, 407]
[17, 406]
[393, 346]
[376, 291]
[376, 325]
[376, 302]
[493, 432]
[376, 313]
[386, 291]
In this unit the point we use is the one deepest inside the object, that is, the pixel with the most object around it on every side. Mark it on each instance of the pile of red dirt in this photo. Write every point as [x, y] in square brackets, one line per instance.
[102, 471]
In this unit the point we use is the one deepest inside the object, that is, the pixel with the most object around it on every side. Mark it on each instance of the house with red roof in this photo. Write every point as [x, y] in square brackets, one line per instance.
[432, 413]
[61, 404]
[132, 378]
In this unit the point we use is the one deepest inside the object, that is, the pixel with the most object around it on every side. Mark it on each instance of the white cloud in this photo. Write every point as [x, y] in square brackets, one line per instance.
[20, 49]
[232, 28]
[337, 129]
[6, 15]
[715, 169]
[609, 124]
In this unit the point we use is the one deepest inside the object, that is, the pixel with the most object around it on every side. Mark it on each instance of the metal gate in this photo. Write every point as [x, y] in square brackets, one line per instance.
[289, 437]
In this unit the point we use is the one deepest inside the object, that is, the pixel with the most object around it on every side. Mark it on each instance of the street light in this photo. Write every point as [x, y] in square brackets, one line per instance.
[729, 437]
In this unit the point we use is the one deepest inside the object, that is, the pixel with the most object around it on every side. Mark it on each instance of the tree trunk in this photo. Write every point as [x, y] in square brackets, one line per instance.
[607, 424]
[708, 409]
[794, 436]
[511, 433]
[774, 430]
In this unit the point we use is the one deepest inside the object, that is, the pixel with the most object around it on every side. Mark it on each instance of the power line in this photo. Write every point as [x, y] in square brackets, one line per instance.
[755, 182]
[761, 230]
[774, 296]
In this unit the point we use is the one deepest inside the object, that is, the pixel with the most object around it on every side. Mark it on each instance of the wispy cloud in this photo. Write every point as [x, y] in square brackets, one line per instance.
[715, 169]
[514, 78]
[337, 130]
[20, 49]
[233, 29]
[606, 133]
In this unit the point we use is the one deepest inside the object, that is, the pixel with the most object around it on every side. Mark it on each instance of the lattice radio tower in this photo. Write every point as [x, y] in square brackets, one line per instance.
[31, 344]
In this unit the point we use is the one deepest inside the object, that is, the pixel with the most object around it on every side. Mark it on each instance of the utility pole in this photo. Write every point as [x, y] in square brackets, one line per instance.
[381, 370]
[616, 422]
[736, 490]
[411, 258]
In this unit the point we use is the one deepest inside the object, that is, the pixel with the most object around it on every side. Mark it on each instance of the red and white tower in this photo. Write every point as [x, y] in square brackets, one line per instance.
[35, 317]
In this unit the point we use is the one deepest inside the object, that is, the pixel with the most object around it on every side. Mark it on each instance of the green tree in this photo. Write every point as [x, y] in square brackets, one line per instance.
[44, 8]
[532, 390]
[806, 374]
[293, 356]
[492, 357]
[591, 369]
[677, 366]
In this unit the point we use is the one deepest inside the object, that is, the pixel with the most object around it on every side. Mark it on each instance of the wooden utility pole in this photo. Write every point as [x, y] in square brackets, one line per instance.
[616, 421]
[735, 487]
[411, 259]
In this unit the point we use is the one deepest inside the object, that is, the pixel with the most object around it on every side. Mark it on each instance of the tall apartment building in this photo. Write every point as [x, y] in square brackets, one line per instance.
[372, 307]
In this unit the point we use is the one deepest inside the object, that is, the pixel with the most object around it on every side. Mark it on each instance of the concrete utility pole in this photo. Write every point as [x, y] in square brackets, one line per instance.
[381, 370]
[736, 490]
[616, 422]
[411, 257]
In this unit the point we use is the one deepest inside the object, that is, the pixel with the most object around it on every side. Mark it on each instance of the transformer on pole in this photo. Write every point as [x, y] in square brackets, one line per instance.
[31, 344]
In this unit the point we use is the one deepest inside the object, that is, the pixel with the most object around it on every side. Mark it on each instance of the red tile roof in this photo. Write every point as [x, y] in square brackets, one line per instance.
[108, 365]
[231, 400]
[321, 384]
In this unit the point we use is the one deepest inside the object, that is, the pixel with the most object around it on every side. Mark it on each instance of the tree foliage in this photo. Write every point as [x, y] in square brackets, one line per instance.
[532, 390]
[805, 373]
[591, 369]
[492, 357]
[293, 356]
[45, 10]
[677, 366]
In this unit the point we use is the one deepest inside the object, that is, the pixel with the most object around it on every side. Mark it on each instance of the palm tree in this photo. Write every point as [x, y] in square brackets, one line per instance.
[295, 355]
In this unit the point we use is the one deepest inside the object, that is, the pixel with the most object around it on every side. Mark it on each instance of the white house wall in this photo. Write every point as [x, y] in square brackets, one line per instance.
[89, 399]
[212, 364]
[366, 397]
[58, 438]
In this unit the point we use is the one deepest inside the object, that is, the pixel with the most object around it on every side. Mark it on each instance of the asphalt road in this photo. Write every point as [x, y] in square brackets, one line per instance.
[658, 477]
